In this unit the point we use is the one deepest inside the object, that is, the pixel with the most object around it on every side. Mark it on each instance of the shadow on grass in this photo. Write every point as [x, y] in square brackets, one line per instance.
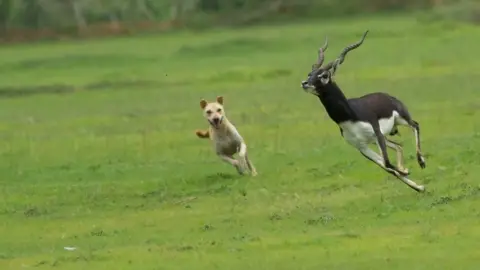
[12, 92]
[219, 183]
[59, 89]
[76, 60]
[207, 185]
[228, 47]
[468, 192]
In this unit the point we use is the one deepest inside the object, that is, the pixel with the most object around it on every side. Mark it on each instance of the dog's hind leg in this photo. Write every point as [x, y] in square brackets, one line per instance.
[242, 154]
[250, 166]
[203, 134]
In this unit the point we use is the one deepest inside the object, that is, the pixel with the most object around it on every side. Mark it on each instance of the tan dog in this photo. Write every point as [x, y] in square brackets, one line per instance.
[225, 137]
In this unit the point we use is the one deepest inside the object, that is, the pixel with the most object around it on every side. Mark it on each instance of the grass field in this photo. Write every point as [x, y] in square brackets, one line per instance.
[98, 152]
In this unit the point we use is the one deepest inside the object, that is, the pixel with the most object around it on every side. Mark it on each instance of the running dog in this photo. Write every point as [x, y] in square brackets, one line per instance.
[227, 141]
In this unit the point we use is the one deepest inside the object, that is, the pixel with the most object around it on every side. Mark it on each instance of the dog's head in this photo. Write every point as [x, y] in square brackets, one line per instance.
[213, 111]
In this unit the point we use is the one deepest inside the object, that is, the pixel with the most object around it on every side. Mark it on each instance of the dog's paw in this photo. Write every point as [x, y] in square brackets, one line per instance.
[202, 133]
[240, 166]
[240, 170]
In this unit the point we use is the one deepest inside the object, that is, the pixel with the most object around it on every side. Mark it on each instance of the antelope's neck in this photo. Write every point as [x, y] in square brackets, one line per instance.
[336, 104]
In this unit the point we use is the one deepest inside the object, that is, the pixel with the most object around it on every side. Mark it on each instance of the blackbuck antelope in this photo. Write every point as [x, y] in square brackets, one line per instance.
[364, 120]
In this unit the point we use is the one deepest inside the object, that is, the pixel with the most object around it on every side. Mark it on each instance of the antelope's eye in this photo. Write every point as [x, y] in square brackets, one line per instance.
[209, 112]
[219, 110]
[324, 76]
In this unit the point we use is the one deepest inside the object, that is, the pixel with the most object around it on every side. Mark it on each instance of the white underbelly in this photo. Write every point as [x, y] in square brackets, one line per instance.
[387, 124]
[361, 133]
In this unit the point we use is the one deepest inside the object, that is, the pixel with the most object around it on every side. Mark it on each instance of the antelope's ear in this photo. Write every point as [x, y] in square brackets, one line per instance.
[203, 104]
[220, 100]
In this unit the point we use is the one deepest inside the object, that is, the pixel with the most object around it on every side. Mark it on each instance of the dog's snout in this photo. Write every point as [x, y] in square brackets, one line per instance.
[216, 120]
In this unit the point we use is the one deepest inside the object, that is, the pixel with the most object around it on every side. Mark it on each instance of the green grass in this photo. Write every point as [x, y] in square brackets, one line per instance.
[113, 168]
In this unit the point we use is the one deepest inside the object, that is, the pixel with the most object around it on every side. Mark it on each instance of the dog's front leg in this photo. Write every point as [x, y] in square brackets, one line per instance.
[232, 162]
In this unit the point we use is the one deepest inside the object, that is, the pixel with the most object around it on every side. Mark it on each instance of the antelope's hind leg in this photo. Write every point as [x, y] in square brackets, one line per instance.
[400, 159]
[416, 130]
[406, 120]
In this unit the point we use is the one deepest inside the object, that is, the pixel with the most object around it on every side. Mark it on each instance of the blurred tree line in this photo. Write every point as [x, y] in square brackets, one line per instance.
[81, 16]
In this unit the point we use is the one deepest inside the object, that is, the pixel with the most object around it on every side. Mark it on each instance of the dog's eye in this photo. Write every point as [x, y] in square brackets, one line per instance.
[209, 112]
[219, 110]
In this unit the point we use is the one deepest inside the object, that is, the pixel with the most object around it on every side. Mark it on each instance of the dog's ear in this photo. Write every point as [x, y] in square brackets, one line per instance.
[203, 104]
[220, 100]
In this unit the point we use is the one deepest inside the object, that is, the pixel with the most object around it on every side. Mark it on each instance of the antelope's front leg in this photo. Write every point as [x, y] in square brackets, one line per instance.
[379, 160]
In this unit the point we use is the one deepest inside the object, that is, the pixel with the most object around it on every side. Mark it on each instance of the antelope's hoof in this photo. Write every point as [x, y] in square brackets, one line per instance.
[398, 171]
[404, 171]
[421, 161]
[420, 189]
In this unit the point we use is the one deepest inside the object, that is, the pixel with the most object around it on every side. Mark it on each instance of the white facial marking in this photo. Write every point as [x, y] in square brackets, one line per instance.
[324, 77]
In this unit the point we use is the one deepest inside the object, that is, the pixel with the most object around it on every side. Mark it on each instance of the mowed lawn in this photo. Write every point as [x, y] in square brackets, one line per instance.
[98, 152]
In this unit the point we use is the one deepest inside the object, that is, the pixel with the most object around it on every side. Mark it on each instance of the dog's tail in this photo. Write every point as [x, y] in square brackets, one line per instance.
[203, 134]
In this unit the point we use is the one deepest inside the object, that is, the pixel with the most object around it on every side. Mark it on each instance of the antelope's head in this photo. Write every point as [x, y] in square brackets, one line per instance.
[321, 76]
